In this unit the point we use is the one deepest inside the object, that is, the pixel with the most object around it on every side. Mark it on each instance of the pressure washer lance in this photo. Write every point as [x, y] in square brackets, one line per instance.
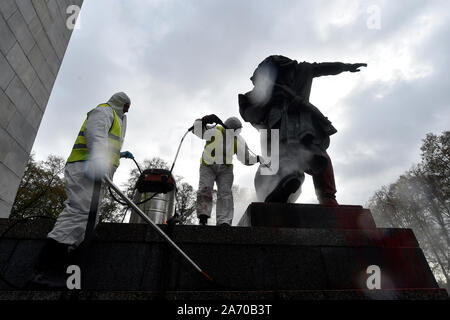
[263, 164]
[157, 229]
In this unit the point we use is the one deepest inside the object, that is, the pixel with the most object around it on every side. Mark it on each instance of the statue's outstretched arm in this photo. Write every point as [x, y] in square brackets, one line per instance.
[334, 68]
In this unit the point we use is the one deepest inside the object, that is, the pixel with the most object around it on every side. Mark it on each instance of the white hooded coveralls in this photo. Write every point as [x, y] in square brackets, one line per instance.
[70, 227]
[223, 175]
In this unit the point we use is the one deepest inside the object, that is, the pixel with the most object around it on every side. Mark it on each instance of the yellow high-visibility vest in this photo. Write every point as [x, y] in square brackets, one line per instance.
[80, 151]
[212, 145]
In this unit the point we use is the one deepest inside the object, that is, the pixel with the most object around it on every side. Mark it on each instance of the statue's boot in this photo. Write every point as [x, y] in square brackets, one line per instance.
[325, 186]
[287, 186]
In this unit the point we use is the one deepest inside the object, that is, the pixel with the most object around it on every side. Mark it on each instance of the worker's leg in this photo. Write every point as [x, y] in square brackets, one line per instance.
[225, 205]
[68, 232]
[325, 186]
[204, 192]
[70, 227]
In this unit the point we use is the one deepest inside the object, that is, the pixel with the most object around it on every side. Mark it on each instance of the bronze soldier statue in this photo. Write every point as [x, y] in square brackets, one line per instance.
[280, 100]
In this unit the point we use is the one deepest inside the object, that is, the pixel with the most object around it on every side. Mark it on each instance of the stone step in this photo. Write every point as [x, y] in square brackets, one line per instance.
[133, 257]
[280, 295]
[294, 215]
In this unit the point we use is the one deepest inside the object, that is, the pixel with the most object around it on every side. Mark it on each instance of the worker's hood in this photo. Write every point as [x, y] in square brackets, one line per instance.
[117, 102]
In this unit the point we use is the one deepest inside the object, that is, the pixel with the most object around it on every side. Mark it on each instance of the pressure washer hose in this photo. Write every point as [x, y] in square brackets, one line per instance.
[178, 151]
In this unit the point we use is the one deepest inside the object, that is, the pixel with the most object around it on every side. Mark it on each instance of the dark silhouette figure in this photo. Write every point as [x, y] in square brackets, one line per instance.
[280, 100]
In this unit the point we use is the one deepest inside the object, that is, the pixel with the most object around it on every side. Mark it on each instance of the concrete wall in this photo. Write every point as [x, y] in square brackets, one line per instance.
[33, 41]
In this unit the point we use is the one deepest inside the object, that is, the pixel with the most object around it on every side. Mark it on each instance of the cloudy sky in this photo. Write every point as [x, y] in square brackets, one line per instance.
[180, 60]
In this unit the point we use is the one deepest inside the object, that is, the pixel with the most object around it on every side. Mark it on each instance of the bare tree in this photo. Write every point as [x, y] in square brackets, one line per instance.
[420, 200]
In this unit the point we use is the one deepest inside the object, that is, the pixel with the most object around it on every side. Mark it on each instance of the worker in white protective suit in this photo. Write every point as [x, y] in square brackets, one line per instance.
[96, 152]
[222, 141]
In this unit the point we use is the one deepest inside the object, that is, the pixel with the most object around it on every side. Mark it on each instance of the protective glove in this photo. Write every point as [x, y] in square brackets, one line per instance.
[126, 154]
[211, 118]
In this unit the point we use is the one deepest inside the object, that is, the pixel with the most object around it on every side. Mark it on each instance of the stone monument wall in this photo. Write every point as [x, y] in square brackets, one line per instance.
[33, 40]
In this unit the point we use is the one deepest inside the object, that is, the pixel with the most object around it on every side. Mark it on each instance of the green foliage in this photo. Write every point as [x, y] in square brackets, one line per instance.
[42, 189]
[42, 192]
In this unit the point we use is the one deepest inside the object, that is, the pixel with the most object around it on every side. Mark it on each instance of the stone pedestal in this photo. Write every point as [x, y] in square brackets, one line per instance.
[288, 215]
[245, 262]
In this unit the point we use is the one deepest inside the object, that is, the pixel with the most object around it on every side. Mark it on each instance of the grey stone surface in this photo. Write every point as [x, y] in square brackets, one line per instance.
[19, 267]
[7, 8]
[6, 73]
[125, 270]
[22, 131]
[35, 26]
[19, 96]
[6, 36]
[20, 29]
[283, 295]
[307, 216]
[33, 40]
[54, 25]
[39, 93]
[7, 110]
[381, 237]
[126, 257]
[47, 50]
[19, 62]
[14, 157]
[34, 117]
[5, 209]
[41, 67]
[12, 154]
[26, 9]
[42, 11]
[8, 184]
[400, 267]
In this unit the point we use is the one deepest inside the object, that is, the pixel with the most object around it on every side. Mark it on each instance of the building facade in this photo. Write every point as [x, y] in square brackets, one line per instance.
[34, 35]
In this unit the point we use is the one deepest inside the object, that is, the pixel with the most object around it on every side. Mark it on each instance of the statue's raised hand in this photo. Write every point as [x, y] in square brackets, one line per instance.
[354, 67]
